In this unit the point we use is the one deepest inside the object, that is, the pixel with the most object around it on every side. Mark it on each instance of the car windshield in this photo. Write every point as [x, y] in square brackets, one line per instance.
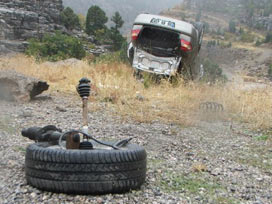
[159, 42]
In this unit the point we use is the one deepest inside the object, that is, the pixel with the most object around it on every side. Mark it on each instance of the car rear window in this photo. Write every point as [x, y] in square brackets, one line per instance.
[160, 42]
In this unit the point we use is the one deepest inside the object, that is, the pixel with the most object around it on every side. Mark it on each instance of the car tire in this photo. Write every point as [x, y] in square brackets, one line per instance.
[98, 171]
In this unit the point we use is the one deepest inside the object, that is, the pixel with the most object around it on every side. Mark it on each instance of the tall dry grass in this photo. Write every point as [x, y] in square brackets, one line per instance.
[115, 84]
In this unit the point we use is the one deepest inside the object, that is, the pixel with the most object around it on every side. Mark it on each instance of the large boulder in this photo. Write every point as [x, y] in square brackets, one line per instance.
[19, 88]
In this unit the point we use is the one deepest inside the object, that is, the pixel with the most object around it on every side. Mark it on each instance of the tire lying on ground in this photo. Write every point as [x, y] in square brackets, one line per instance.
[98, 171]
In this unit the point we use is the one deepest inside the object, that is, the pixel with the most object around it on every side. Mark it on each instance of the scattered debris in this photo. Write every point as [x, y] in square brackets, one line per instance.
[211, 107]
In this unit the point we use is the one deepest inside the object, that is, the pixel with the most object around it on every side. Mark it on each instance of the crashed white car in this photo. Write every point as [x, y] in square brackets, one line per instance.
[165, 46]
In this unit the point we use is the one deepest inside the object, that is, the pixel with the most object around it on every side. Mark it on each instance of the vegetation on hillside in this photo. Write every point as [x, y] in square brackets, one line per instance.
[69, 19]
[56, 47]
[59, 46]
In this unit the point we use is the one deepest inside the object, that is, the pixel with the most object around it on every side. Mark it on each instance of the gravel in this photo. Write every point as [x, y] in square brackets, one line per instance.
[207, 163]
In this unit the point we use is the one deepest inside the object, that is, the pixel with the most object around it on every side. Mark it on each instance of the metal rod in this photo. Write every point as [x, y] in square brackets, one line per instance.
[85, 111]
[85, 114]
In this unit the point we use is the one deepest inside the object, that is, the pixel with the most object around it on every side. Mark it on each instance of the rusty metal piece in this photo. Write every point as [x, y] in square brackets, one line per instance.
[85, 111]
[72, 141]
[211, 107]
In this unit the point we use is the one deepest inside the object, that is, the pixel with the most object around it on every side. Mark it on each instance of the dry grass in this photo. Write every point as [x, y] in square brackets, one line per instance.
[179, 104]
[199, 167]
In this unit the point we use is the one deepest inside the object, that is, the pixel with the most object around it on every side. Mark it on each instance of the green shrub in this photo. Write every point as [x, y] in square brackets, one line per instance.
[56, 47]
[118, 56]
[268, 37]
[247, 37]
[270, 71]
[206, 27]
[212, 72]
[258, 42]
[232, 26]
[211, 43]
[108, 58]
[198, 16]
[102, 36]
[225, 44]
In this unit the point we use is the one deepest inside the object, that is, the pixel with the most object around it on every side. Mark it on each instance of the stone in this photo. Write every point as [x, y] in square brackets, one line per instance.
[17, 87]
[24, 19]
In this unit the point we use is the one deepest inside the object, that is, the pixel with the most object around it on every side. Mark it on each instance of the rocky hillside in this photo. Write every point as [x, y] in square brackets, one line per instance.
[254, 13]
[24, 19]
[129, 9]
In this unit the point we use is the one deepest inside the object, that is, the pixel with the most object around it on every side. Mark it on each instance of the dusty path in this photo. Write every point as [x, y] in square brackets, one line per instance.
[208, 163]
[249, 72]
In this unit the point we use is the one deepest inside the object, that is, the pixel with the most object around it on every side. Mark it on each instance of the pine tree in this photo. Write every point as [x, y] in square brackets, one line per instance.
[69, 19]
[96, 20]
[117, 20]
[115, 35]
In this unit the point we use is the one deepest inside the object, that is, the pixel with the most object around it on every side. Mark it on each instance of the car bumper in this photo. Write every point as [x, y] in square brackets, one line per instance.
[153, 64]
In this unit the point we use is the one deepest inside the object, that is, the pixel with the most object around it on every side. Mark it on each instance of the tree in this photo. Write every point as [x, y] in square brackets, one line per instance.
[82, 21]
[198, 16]
[115, 35]
[232, 26]
[96, 20]
[116, 38]
[69, 19]
[117, 20]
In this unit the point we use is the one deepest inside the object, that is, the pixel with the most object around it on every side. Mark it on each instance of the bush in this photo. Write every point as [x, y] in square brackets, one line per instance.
[268, 37]
[211, 43]
[270, 71]
[56, 47]
[212, 72]
[198, 16]
[247, 37]
[232, 26]
[119, 56]
[206, 27]
[102, 36]
[258, 42]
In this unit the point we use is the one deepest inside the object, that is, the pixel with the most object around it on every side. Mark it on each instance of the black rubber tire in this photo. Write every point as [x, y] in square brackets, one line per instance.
[85, 171]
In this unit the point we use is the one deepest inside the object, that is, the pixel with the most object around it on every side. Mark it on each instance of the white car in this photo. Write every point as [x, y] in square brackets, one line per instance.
[165, 46]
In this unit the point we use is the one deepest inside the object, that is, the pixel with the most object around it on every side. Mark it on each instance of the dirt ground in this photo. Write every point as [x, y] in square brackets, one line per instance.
[213, 161]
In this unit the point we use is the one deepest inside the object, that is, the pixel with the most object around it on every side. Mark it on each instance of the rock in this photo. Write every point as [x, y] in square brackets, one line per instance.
[60, 109]
[24, 19]
[139, 97]
[33, 195]
[216, 172]
[17, 87]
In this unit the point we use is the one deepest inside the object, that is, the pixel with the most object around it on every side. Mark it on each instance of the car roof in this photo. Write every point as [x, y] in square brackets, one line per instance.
[165, 22]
